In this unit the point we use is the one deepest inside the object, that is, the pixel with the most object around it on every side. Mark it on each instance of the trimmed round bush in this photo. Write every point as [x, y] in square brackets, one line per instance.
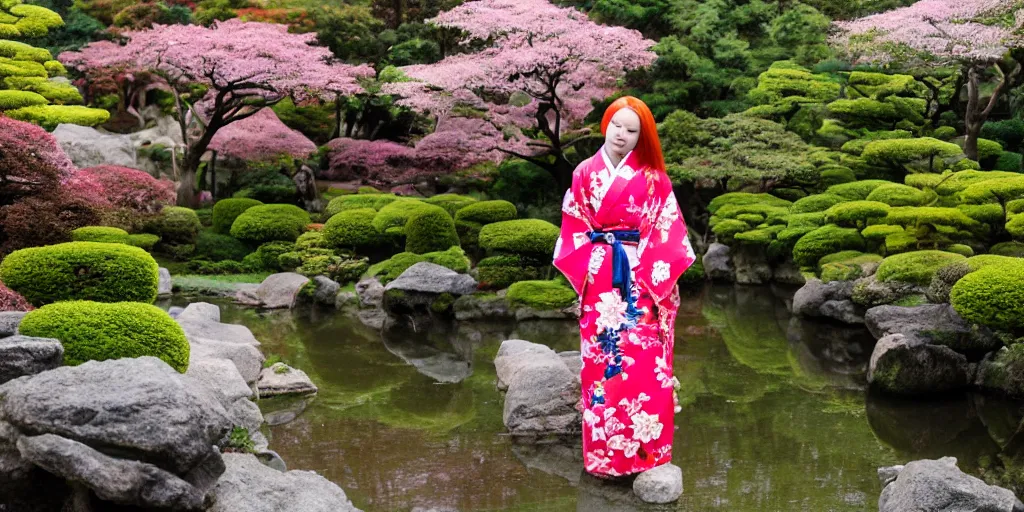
[1010, 162]
[429, 231]
[963, 249]
[746, 199]
[896, 194]
[451, 203]
[266, 256]
[825, 240]
[311, 240]
[728, 228]
[816, 203]
[992, 296]
[397, 213]
[541, 294]
[1015, 249]
[857, 190]
[96, 331]
[81, 271]
[176, 225]
[216, 247]
[352, 229]
[984, 260]
[144, 241]
[879, 232]
[856, 213]
[104, 234]
[916, 267]
[522, 236]
[389, 269]
[227, 210]
[270, 222]
[500, 271]
[356, 201]
[486, 212]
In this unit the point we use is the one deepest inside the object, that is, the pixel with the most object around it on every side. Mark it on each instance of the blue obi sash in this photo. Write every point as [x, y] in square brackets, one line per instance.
[621, 273]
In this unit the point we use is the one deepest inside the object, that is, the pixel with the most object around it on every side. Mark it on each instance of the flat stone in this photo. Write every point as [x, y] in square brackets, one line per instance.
[201, 311]
[272, 460]
[663, 484]
[121, 481]
[426, 277]
[280, 290]
[281, 379]
[9, 321]
[940, 485]
[248, 359]
[249, 486]
[165, 285]
[139, 408]
[935, 323]
[24, 355]
[220, 376]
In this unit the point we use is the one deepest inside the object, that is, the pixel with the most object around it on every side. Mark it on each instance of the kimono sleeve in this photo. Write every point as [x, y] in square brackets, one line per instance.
[573, 247]
[665, 250]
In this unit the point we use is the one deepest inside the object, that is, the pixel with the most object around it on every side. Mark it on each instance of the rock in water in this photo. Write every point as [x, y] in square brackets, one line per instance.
[24, 355]
[281, 379]
[663, 484]
[940, 485]
[426, 277]
[542, 391]
[280, 290]
[718, 263]
[326, 290]
[165, 285]
[138, 408]
[249, 486]
[901, 365]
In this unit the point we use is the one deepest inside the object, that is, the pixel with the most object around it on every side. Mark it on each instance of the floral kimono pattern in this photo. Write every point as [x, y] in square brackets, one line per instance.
[628, 398]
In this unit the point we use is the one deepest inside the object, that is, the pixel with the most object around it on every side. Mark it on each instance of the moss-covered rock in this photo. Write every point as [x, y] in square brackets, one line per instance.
[541, 294]
[81, 271]
[270, 222]
[916, 267]
[95, 331]
[356, 201]
[816, 203]
[856, 191]
[389, 269]
[992, 296]
[523, 236]
[227, 210]
[352, 229]
[856, 213]
[825, 240]
[896, 194]
[944, 279]
[497, 272]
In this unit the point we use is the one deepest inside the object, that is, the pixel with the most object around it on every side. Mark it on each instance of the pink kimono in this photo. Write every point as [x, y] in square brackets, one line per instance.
[623, 246]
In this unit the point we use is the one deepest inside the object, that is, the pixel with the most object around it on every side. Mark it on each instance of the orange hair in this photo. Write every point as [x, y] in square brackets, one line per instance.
[648, 146]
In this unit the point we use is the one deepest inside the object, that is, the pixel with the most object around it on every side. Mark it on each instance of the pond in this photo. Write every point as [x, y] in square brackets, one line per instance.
[775, 414]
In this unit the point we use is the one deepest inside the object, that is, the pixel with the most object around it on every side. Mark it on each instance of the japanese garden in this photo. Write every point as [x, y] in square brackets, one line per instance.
[284, 255]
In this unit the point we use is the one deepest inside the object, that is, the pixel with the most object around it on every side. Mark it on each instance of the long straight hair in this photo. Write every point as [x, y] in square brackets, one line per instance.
[648, 146]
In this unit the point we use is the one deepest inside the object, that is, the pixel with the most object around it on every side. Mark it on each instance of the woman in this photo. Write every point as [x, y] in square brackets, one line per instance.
[623, 246]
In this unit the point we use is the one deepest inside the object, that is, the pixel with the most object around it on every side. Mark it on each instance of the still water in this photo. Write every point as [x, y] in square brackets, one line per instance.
[775, 416]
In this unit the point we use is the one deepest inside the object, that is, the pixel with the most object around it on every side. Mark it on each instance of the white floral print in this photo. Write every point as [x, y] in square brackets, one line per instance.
[627, 447]
[662, 373]
[591, 418]
[669, 214]
[659, 272]
[558, 247]
[646, 426]
[596, 260]
[634, 405]
[578, 239]
[613, 426]
[597, 462]
[611, 311]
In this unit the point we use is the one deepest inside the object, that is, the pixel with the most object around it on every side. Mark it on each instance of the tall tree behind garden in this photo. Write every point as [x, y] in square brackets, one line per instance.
[241, 67]
[979, 36]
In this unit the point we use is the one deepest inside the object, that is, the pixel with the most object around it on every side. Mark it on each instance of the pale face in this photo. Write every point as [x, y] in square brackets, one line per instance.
[622, 133]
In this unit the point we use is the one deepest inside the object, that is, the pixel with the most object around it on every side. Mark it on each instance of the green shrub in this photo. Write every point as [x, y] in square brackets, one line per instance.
[992, 296]
[356, 201]
[227, 210]
[397, 213]
[486, 212]
[352, 229]
[216, 247]
[389, 270]
[857, 190]
[896, 194]
[175, 225]
[269, 222]
[429, 231]
[205, 216]
[144, 241]
[879, 232]
[812, 219]
[728, 228]
[541, 294]
[837, 175]
[453, 257]
[95, 331]
[961, 249]
[845, 265]
[266, 256]
[500, 271]
[523, 236]
[311, 240]
[744, 199]
[985, 213]
[985, 260]
[825, 240]
[900, 242]
[451, 203]
[944, 133]
[916, 267]
[10, 100]
[1010, 162]
[49, 116]
[1014, 249]
[80, 271]
[900, 152]
[855, 213]
[100, 234]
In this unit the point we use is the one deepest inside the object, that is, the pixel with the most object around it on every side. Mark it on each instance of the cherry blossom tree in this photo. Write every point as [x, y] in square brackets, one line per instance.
[976, 35]
[261, 137]
[244, 66]
[536, 83]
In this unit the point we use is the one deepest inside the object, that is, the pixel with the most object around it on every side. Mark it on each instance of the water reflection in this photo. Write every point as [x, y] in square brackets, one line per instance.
[775, 414]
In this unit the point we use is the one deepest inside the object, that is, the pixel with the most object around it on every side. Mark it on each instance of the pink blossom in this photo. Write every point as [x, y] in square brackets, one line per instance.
[39, 142]
[123, 187]
[261, 137]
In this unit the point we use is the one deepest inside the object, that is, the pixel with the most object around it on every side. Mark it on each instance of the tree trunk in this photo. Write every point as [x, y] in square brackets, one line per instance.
[187, 195]
[337, 117]
[972, 126]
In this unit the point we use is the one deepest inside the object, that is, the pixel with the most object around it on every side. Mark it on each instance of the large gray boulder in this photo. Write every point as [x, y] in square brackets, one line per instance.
[475, 307]
[280, 290]
[126, 482]
[936, 323]
[751, 264]
[134, 408]
[88, 147]
[902, 365]
[827, 300]
[249, 486]
[717, 263]
[869, 292]
[281, 379]
[9, 322]
[1001, 371]
[663, 484]
[248, 360]
[221, 377]
[370, 292]
[24, 355]
[326, 291]
[938, 485]
[426, 277]
[542, 392]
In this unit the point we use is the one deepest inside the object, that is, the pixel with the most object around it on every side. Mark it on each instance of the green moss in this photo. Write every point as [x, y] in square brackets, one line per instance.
[451, 203]
[961, 249]
[269, 222]
[825, 240]
[176, 225]
[900, 242]
[356, 201]
[1015, 249]
[500, 271]
[896, 194]
[226, 211]
[855, 213]
[94, 331]
[352, 229]
[389, 270]
[744, 199]
[541, 294]
[216, 247]
[81, 271]
[523, 236]
[728, 228]
[984, 213]
[398, 212]
[100, 234]
[267, 256]
[992, 296]
[987, 260]
[879, 232]
[429, 231]
[486, 212]
[453, 257]
[755, 237]
[916, 267]
[856, 191]
[50, 116]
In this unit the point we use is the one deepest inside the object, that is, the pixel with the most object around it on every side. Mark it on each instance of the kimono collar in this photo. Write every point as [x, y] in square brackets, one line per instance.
[608, 161]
